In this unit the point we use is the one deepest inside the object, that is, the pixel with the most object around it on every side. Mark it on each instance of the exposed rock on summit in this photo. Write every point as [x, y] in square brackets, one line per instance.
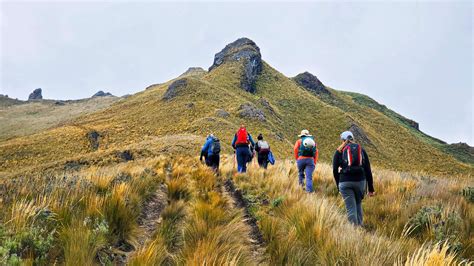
[102, 94]
[35, 95]
[246, 51]
[311, 83]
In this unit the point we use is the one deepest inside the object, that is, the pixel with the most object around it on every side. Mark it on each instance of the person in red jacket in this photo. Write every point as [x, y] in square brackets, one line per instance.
[306, 155]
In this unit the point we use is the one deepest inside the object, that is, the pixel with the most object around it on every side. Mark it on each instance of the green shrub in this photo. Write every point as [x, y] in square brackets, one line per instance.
[34, 243]
[278, 201]
[468, 193]
[439, 224]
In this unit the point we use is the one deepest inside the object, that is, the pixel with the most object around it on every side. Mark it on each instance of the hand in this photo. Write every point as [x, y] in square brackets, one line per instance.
[371, 194]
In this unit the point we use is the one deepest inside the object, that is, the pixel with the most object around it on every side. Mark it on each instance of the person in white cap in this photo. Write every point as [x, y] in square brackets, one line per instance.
[352, 173]
[306, 155]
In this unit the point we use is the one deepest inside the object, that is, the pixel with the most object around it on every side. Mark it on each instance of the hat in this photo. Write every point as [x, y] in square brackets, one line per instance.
[347, 135]
[304, 132]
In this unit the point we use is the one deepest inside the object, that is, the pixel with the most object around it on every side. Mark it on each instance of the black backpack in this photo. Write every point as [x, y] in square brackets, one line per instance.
[216, 146]
[352, 159]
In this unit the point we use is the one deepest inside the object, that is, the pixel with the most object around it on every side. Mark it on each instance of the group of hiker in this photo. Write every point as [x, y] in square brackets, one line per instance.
[351, 166]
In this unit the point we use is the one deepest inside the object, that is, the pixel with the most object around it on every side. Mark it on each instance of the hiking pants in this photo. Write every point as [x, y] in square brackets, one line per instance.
[213, 161]
[243, 156]
[353, 193]
[306, 168]
[263, 160]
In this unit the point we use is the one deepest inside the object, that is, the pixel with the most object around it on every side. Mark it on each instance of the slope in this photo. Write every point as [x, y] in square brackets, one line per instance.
[240, 88]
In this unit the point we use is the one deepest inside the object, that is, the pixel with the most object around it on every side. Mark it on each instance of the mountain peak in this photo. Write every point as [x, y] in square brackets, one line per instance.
[310, 82]
[246, 51]
[102, 94]
[194, 71]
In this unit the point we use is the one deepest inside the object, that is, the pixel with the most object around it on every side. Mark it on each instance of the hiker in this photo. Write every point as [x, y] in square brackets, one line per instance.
[352, 173]
[240, 143]
[263, 149]
[306, 155]
[211, 152]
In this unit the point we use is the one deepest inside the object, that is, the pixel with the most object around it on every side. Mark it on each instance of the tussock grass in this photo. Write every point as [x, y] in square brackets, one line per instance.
[305, 229]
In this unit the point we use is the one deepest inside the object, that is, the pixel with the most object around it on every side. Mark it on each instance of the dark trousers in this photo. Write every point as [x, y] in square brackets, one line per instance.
[213, 161]
[263, 160]
[243, 156]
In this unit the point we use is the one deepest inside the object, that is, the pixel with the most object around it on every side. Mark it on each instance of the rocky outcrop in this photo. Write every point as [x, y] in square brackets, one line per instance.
[174, 89]
[246, 51]
[249, 111]
[125, 155]
[413, 124]
[359, 134]
[93, 137]
[101, 94]
[36, 95]
[222, 113]
[463, 146]
[311, 83]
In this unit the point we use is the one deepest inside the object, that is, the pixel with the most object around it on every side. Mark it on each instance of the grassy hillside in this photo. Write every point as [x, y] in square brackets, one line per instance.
[25, 118]
[175, 211]
[458, 152]
[213, 102]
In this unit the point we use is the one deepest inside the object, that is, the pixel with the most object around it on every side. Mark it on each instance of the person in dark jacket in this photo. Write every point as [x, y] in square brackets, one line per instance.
[242, 140]
[352, 181]
[210, 153]
[263, 149]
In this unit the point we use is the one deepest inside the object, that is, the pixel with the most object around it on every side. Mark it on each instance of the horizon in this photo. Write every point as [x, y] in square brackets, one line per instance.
[424, 51]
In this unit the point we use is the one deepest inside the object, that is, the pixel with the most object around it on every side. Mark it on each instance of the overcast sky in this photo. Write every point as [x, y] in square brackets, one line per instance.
[414, 57]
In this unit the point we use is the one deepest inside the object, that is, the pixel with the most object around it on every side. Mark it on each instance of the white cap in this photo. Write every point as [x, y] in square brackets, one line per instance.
[304, 132]
[347, 135]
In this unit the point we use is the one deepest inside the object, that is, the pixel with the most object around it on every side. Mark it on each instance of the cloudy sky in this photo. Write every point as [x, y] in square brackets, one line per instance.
[414, 57]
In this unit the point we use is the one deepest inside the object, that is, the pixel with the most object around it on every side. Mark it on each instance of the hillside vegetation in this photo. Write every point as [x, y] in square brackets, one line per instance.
[20, 118]
[101, 215]
[110, 181]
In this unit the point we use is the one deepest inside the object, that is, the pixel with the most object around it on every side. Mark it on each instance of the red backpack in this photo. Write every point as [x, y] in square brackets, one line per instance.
[352, 159]
[242, 136]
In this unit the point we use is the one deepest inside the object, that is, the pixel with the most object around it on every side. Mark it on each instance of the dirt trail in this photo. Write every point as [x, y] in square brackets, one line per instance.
[256, 237]
[150, 216]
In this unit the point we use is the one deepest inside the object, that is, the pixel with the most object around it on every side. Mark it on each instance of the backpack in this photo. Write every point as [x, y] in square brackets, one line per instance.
[307, 150]
[263, 145]
[242, 136]
[216, 146]
[352, 159]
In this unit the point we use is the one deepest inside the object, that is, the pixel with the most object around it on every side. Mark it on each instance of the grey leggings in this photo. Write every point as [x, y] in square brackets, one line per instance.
[353, 193]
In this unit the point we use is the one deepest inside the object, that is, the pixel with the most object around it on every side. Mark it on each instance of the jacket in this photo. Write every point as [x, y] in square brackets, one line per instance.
[344, 177]
[206, 148]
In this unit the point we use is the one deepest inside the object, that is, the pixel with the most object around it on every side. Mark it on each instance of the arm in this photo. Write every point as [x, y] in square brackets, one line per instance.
[316, 156]
[368, 172]
[336, 162]
[234, 140]
[296, 148]
[204, 149]
[251, 140]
